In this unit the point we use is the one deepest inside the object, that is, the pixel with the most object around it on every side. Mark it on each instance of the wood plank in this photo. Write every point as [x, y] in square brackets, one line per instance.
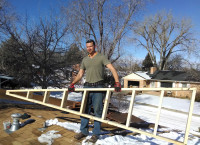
[110, 89]
[106, 105]
[158, 113]
[130, 109]
[84, 101]
[189, 116]
[64, 99]
[46, 96]
[29, 95]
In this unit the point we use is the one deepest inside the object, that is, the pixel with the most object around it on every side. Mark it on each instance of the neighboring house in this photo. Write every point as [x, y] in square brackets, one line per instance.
[165, 79]
[137, 79]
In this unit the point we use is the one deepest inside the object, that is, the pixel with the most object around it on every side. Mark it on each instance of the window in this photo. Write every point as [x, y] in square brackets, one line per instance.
[166, 84]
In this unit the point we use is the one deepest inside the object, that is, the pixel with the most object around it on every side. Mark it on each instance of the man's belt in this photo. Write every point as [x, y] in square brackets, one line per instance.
[94, 84]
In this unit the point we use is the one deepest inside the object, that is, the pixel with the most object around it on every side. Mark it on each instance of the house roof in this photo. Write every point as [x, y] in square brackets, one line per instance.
[143, 74]
[138, 75]
[164, 75]
[173, 75]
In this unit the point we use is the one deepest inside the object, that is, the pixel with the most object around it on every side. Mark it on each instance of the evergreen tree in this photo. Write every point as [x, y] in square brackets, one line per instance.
[13, 62]
[73, 55]
[147, 63]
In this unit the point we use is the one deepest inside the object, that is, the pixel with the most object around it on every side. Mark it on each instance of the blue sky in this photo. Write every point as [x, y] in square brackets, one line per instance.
[35, 8]
[179, 8]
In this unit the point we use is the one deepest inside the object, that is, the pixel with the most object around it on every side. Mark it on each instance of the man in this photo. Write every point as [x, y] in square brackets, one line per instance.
[93, 64]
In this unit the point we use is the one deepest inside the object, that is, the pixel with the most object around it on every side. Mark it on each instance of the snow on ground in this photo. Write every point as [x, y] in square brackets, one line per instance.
[169, 102]
[172, 120]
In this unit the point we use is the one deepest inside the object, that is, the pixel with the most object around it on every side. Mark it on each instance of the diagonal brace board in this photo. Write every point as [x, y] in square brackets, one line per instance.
[30, 94]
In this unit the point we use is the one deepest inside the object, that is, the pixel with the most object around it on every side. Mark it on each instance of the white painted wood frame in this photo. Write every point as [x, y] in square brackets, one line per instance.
[30, 93]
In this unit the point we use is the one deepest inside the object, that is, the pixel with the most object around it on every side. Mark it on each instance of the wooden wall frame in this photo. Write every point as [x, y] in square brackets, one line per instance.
[46, 92]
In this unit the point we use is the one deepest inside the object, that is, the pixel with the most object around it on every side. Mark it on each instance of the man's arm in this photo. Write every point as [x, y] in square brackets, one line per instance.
[114, 72]
[116, 77]
[79, 76]
[71, 88]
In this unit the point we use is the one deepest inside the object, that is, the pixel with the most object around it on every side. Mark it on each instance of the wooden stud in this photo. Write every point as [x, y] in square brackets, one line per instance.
[106, 104]
[64, 99]
[130, 111]
[46, 96]
[84, 101]
[29, 95]
[189, 116]
[158, 114]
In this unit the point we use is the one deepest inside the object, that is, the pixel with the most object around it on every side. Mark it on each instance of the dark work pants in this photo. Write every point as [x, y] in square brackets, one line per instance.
[94, 99]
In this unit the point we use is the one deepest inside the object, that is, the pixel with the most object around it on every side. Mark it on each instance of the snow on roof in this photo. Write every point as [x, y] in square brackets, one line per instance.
[140, 74]
[143, 74]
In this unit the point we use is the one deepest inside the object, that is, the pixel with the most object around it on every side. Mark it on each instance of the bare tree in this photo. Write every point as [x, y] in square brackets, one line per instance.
[175, 62]
[37, 51]
[128, 64]
[2, 12]
[105, 21]
[162, 34]
[7, 15]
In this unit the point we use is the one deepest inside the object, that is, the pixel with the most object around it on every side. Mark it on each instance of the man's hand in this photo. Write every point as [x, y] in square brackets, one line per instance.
[117, 87]
[71, 88]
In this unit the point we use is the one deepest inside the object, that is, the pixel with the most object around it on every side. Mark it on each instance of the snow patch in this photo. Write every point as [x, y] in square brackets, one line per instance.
[67, 125]
[49, 137]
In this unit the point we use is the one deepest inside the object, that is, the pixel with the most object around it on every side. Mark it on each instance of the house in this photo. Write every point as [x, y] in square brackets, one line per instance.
[137, 79]
[165, 79]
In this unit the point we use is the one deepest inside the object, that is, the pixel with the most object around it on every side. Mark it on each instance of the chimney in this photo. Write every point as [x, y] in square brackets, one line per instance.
[152, 70]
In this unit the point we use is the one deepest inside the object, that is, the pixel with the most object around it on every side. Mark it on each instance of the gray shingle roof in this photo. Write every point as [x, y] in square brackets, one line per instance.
[173, 75]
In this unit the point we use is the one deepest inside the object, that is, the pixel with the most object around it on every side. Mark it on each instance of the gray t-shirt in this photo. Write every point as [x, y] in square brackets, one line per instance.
[94, 67]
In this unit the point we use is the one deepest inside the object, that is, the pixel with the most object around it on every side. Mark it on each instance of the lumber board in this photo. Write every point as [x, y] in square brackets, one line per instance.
[189, 116]
[64, 99]
[29, 95]
[106, 104]
[46, 96]
[83, 102]
[105, 89]
[158, 114]
[130, 109]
